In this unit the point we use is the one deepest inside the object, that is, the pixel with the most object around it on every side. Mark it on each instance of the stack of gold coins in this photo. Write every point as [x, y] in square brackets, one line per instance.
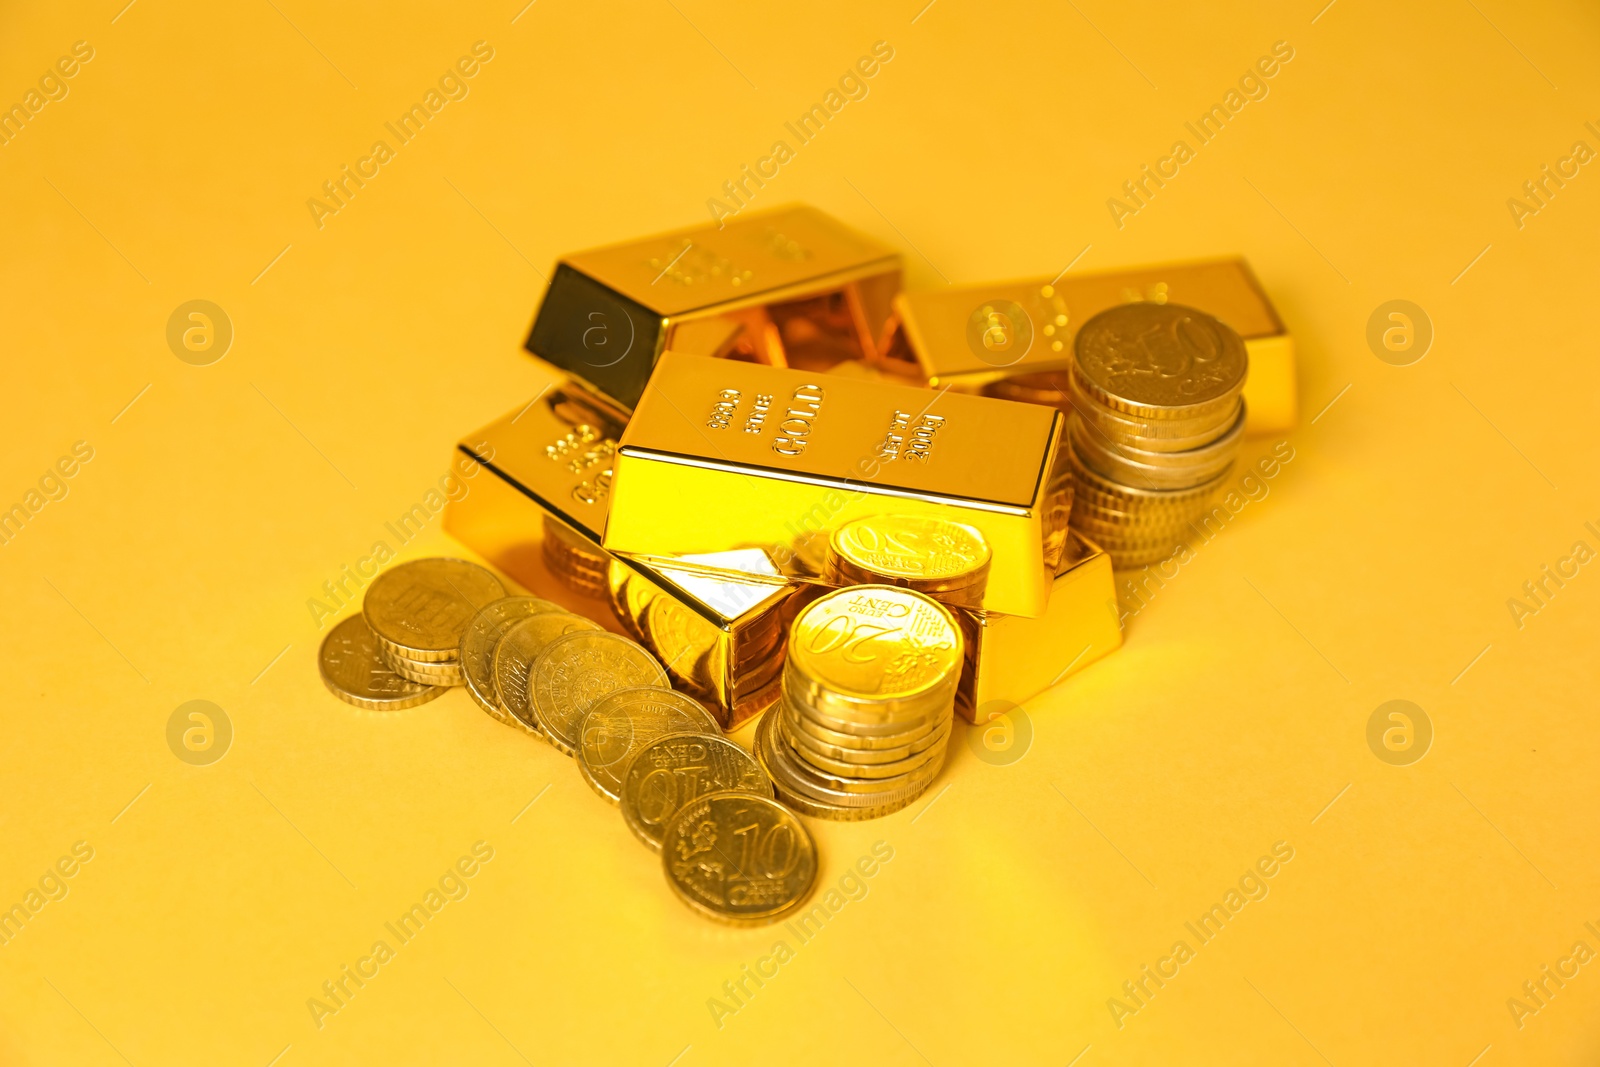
[576, 562]
[355, 672]
[1158, 415]
[868, 698]
[418, 612]
[945, 560]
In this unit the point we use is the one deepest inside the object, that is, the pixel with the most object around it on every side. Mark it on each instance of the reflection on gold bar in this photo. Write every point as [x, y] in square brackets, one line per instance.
[1011, 660]
[789, 287]
[717, 622]
[1014, 339]
[536, 512]
[721, 456]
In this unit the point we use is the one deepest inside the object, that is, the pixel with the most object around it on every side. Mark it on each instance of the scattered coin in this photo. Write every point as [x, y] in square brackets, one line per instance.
[739, 858]
[576, 670]
[420, 609]
[355, 673]
[514, 655]
[622, 723]
[483, 634]
[674, 769]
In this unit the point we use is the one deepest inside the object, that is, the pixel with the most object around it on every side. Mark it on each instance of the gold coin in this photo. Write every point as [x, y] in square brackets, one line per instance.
[804, 738]
[1145, 524]
[674, 769]
[793, 778]
[854, 714]
[478, 643]
[577, 562]
[518, 647]
[575, 671]
[353, 670]
[1126, 463]
[630, 596]
[739, 858]
[1161, 435]
[826, 731]
[822, 810]
[623, 722]
[847, 770]
[847, 786]
[422, 607]
[689, 645]
[876, 642]
[1095, 486]
[445, 674]
[828, 711]
[1157, 361]
[947, 560]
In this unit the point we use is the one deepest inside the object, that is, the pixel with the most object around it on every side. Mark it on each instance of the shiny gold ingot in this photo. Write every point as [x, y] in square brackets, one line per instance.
[1014, 339]
[769, 286]
[549, 461]
[716, 621]
[722, 455]
[546, 461]
[1011, 660]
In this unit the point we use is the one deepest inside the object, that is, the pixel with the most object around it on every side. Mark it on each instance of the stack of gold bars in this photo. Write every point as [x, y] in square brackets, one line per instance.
[765, 484]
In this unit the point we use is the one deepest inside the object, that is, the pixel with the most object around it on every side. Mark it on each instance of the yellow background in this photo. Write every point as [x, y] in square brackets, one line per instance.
[180, 564]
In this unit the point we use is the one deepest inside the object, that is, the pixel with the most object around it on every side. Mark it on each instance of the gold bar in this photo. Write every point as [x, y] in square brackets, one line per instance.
[723, 455]
[538, 515]
[1010, 660]
[789, 286]
[1015, 339]
[718, 622]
